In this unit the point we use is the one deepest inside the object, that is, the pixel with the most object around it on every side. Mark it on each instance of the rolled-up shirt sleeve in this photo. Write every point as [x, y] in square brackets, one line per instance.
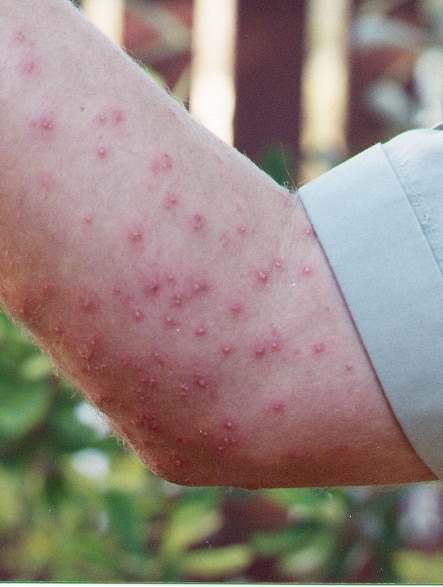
[379, 219]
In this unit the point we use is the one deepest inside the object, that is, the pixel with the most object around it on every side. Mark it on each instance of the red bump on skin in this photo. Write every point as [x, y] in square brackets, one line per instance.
[197, 222]
[161, 163]
[43, 126]
[28, 66]
[59, 328]
[135, 234]
[200, 380]
[307, 271]
[117, 116]
[88, 218]
[170, 201]
[200, 286]
[277, 406]
[308, 232]
[177, 300]
[151, 287]
[227, 349]
[241, 230]
[259, 350]
[200, 331]
[277, 263]
[184, 390]
[112, 115]
[101, 152]
[228, 424]
[319, 348]
[138, 315]
[235, 307]
[261, 276]
[170, 321]
[275, 342]
[88, 302]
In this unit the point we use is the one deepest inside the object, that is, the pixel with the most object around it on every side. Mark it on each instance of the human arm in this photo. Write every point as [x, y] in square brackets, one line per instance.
[181, 289]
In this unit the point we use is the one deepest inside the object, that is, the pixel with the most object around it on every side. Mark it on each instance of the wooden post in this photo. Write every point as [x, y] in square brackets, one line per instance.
[107, 15]
[270, 43]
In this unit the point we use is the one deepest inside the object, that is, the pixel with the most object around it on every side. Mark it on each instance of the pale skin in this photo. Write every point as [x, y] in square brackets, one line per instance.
[180, 288]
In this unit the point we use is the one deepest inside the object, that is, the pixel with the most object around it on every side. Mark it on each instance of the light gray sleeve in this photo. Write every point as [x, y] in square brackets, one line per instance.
[392, 285]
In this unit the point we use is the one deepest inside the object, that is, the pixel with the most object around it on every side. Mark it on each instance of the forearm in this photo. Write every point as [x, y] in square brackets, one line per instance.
[121, 229]
[178, 286]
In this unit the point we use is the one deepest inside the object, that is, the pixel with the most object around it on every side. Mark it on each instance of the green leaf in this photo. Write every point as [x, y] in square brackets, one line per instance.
[22, 408]
[287, 540]
[124, 519]
[211, 563]
[191, 522]
[10, 505]
[419, 567]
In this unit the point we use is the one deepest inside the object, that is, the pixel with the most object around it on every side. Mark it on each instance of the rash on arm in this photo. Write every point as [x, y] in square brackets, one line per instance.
[180, 288]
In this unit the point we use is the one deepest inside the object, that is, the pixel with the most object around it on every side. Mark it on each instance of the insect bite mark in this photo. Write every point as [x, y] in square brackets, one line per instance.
[319, 348]
[170, 201]
[197, 222]
[161, 163]
[43, 126]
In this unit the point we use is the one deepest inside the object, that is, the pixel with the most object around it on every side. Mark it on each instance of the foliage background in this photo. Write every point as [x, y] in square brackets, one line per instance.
[76, 505]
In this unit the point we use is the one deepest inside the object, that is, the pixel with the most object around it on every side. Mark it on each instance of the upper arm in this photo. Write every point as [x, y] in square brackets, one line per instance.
[179, 287]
